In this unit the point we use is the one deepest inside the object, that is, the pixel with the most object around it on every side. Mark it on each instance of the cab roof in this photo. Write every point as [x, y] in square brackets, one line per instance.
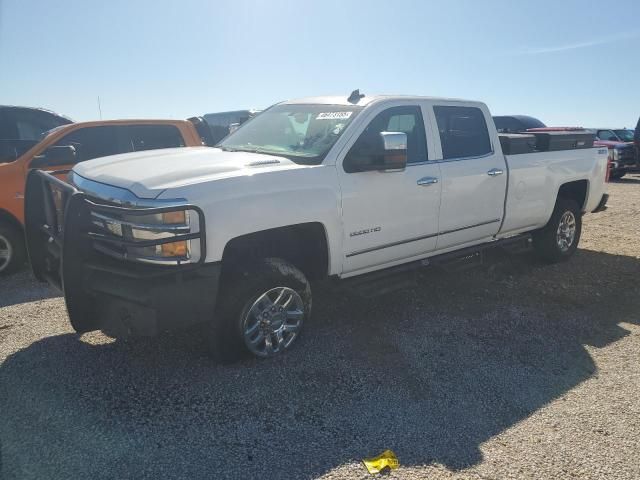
[365, 100]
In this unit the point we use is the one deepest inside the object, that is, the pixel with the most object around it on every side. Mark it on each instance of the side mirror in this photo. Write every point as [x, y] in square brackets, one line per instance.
[55, 157]
[390, 154]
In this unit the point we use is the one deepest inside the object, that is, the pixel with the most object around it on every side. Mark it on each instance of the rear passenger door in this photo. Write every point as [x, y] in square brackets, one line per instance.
[474, 176]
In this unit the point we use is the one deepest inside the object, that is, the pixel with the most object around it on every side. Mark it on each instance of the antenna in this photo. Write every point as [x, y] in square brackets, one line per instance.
[99, 107]
[355, 96]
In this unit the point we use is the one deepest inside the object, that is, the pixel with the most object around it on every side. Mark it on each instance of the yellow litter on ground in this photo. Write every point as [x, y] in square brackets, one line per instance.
[386, 460]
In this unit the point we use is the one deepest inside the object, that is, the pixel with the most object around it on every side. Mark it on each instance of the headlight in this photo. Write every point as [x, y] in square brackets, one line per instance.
[616, 154]
[146, 237]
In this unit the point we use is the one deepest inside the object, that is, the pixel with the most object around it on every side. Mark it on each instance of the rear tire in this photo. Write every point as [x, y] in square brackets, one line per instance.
[558, 240]
[13, 252]
[261, 310]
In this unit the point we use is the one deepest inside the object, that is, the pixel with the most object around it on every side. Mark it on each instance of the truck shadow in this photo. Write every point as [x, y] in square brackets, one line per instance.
[432, 373]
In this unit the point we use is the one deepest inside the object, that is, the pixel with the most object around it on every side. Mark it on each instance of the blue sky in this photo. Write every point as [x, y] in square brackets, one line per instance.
[566, 62]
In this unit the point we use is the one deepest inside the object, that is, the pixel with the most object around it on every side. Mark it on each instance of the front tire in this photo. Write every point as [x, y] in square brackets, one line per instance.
[12, 249]
[558, 240]
[261, 310]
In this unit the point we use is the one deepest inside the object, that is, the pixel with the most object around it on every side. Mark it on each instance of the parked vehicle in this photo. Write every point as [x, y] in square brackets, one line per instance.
[622, 158]
[622, 154]
[636, 140]
[516, 123]
[622, 135]
[22, 127]
[64, 146]
[223, 123]
[351, 189]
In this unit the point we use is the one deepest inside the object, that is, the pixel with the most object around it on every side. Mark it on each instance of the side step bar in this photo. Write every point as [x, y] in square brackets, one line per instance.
[402, 276]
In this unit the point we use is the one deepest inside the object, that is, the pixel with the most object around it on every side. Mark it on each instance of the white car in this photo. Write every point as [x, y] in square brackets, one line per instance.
[328, 187]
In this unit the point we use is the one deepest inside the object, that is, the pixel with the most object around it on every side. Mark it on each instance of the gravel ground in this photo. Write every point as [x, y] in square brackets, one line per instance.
[515, 370]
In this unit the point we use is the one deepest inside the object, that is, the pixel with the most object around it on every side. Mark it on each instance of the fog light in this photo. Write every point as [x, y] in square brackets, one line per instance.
[175, 249]
[175, 218]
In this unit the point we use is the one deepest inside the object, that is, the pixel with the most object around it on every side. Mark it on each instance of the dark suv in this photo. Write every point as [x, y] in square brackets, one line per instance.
[22, 127]
[516, 123]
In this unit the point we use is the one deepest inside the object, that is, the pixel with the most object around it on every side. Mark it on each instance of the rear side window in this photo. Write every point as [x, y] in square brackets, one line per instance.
[150, 137]
[607, 135]
[92, 142]
[463, 132]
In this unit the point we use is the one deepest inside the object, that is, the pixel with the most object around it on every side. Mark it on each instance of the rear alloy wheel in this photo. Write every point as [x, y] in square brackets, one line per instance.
[12, 250]
[566, 233]
[261, 309]
[558, 240]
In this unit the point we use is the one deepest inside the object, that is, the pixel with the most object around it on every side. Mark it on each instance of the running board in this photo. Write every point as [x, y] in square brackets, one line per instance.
[403, 276]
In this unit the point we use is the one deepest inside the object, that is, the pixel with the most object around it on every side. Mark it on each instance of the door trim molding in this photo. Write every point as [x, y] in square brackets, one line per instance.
[416, 239]
[488, 222]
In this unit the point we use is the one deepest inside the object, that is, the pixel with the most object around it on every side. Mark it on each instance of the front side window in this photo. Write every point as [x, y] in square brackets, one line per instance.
[463, 132]
[625, 135]
[406, 120]
[302, 133]
[91, 142]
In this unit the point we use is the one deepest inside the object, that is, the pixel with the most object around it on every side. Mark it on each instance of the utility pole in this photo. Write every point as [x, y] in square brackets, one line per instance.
[99, 107]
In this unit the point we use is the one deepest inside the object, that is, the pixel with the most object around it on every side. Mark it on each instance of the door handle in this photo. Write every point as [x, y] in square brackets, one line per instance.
[426, 181]
[494, 172]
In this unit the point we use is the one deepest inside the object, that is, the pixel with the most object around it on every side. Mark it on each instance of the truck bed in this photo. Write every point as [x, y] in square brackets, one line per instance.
[535, 179]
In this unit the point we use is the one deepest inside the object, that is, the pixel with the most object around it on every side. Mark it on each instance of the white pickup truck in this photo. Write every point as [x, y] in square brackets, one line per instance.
[327, 187]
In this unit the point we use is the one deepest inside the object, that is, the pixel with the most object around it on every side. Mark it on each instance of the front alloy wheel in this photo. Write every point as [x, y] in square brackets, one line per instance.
[12, 249]
[6, 252]
[262, 306]
[273, 321]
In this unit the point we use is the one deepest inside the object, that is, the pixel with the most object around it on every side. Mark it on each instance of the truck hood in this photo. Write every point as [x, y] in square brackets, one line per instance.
[147, 174]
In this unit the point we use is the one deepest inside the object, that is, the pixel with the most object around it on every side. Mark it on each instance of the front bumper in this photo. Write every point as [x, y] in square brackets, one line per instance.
[103, 291]
[147, 304]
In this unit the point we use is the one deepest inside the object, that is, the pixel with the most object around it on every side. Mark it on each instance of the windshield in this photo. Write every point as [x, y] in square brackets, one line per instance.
[625, 135]
[302, 133]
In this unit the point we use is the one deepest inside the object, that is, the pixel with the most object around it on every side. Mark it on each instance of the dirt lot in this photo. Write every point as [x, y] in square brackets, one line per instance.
[516, 370]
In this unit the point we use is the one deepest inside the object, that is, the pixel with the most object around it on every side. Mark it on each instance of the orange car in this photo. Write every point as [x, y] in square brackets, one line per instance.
[67, 145]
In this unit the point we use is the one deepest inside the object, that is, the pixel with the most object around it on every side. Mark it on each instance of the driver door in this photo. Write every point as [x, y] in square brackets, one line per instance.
[390, 216]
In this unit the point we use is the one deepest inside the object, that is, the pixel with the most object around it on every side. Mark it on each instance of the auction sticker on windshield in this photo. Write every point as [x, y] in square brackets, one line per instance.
[333, 115]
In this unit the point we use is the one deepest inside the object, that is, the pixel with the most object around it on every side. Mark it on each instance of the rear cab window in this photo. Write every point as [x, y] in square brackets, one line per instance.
[463, 132]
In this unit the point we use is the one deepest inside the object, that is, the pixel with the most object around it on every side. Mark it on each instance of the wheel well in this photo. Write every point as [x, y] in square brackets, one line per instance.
[576, 191]
[6, 217]
[304, 245]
